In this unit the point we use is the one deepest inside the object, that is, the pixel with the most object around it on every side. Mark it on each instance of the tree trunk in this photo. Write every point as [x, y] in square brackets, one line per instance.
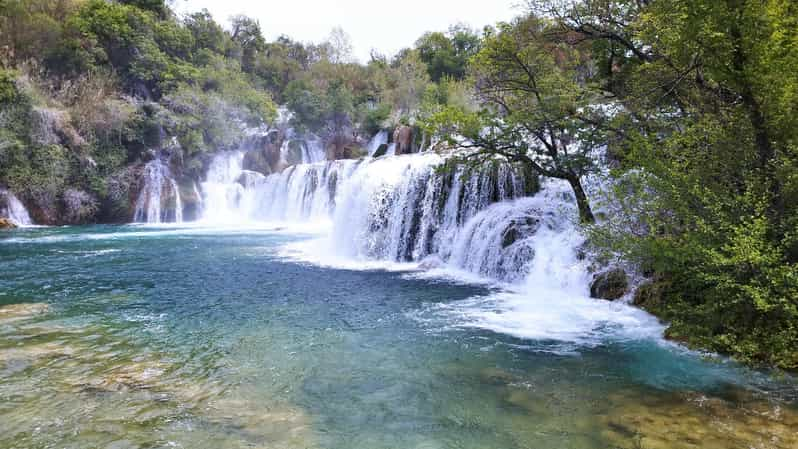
[585, 213]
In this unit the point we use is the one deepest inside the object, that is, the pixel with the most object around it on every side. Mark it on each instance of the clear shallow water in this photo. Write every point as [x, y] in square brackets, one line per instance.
[130, 337]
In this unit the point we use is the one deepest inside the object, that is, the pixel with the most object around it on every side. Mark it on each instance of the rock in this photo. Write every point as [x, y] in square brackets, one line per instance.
[610, 285]
[6, 223]
[430, 263]
[403, 138]
[257, 161]
[264, 156]
[381, 150]
[79, 207]
[249, 178]
[519, 229]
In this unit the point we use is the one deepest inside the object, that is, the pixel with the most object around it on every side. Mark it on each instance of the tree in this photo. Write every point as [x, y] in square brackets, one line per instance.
[247, 34]
[535, 111]
[708, 131]
[340, 45]
[448, 54]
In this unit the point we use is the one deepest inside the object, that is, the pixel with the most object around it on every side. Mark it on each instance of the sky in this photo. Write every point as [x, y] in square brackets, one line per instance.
[385, 26]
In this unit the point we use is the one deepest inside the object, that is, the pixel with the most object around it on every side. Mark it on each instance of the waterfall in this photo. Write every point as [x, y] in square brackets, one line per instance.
[159, 199]
[304, 192]
[494, 220]
[401, 208]
[13, 209]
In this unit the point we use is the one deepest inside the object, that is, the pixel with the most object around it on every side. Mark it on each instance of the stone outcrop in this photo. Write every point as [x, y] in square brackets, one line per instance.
[79, 207]
[610, 285]
[6, 223]
[403, 138]
[264, 153]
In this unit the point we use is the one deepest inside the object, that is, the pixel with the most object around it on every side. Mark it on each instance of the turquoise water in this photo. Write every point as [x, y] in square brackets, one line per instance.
[140, 337]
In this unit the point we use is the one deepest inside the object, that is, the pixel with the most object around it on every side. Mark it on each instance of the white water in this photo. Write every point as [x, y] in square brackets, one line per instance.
[159, 187]
[401, 213]
[13, 209]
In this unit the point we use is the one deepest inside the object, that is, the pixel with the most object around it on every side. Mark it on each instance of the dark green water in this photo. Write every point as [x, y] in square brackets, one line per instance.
[132, 337]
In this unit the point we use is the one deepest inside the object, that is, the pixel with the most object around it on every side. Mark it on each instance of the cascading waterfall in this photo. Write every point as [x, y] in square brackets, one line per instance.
[159, 199]
[397, 209]
[304, 192]
[13, 209]
[494, 221]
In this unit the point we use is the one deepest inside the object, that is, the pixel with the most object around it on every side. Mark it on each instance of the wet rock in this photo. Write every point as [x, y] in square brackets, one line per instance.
[403, 138]
[519, 229]
[6, 223]
[149, 155]
[79, 207]
[381, 150]
[430, 263]
[249, 178]
[610, 285]
[694, 420]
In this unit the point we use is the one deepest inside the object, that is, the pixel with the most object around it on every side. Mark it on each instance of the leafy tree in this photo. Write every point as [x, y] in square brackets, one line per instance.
[447, 54]
[249, 38]
[535, 111]
[711, 203]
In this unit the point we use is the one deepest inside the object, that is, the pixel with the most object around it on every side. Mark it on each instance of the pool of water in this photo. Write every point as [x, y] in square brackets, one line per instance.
[142, 337]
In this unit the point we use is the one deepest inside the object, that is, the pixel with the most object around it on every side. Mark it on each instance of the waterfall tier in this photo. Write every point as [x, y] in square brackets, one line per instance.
[13, 209]
[159, 198]
[401, 209]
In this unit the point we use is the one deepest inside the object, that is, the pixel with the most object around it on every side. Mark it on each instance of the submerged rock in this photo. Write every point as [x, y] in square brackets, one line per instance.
[694, 420]
[611, 285]
[16, 312]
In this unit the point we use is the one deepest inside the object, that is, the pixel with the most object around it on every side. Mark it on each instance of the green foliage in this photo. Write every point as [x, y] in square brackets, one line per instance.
[711, 203]
[447, 54]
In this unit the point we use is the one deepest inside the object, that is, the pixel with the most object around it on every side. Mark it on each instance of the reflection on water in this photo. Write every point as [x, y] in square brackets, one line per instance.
[198, 340]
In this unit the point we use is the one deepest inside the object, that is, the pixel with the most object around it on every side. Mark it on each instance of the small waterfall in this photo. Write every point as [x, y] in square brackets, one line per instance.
[159, 199]
[13, 209]
[379, 139]
[200, 200]
[304, 192]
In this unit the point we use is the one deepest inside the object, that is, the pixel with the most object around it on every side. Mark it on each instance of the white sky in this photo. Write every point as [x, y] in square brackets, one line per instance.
[387, 26]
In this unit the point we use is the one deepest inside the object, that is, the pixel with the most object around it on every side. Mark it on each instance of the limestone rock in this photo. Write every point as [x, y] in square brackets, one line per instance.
[610, 285]
[79, 207]
[381, 150]
[6, 223]
[403, 138]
